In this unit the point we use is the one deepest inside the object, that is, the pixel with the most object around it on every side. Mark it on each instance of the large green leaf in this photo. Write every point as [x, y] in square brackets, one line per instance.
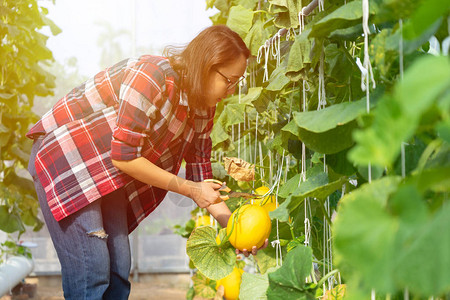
[419, 238]
[253, 286]
[213, 261]
[397, 117]
[288, 282]
[331, 141]
[330, 117]
[240, 20]
[394, 235]
[364, 232]
[345, 16]
[328, 130]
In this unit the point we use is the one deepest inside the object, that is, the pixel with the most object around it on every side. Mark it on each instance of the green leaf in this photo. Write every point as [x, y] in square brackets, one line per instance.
[394, 235]
[411, 270]
[5, 134]
[256, 37]
[286, 12]
[203, 286]
[410, 45]
[252, 94]
[10, 222]
[232, 114]
[253, 286]
[240, 20]
[329, 142]
[213, 261]
[289, 187]
[288, 282]
[361, 217]
[339, 163]
[345, 16]
[263, 101]
[266, 259]
[315, 178]
[443, 129]
[278, 79]
[298, 54]
[397, 117]
[282, 212]
[424, 17]
[330, 117]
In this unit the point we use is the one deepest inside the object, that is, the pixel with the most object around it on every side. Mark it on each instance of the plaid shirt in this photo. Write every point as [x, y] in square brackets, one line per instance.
[129, 110]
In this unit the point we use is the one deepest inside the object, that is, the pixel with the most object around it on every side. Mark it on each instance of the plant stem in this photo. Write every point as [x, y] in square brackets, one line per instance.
[322, 280]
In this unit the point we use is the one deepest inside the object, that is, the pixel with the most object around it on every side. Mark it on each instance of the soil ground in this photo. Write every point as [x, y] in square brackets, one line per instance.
[149, 287]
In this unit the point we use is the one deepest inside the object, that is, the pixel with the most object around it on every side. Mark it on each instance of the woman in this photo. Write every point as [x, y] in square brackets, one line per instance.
[107, 153]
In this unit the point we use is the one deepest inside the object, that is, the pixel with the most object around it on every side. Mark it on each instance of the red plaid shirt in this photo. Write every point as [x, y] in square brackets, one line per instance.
[129, 110]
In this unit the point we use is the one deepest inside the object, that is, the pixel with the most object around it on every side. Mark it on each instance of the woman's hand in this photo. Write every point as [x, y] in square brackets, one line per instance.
[254, 249]
[205, 193]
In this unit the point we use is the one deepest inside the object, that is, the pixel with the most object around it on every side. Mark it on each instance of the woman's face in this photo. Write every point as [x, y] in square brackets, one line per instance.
[223, 81]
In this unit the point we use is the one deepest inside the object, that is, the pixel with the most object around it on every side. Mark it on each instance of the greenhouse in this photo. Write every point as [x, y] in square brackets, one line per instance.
[225, 149]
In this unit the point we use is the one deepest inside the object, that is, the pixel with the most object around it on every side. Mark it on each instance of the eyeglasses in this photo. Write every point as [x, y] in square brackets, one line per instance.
[231, 84]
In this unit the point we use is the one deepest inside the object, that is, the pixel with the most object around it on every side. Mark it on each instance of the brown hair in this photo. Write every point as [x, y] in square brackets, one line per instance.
[214, 46]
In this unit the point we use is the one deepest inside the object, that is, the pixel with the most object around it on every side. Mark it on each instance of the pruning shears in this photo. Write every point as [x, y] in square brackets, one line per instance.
[229, 193]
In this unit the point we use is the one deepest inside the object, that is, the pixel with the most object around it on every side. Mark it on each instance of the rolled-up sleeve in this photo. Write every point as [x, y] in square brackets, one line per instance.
[198, 156]
[139, 97]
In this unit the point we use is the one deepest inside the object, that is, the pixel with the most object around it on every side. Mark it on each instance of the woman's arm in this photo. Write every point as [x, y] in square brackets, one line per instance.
[203, 193]
[220, 212]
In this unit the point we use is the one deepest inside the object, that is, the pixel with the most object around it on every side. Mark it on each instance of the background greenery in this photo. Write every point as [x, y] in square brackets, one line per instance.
[391, 233]
[23, 57]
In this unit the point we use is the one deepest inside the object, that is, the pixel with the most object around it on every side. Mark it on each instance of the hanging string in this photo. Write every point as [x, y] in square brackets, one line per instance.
[301, 22]
[366, 64]
[322, 102]
[306, 201]
[239, 126]
[321, 2]
[365, 77]
[264, 49]
[275, 47]
[261, 162]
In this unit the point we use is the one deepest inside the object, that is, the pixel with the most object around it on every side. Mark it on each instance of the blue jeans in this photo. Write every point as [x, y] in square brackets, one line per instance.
[92, 244]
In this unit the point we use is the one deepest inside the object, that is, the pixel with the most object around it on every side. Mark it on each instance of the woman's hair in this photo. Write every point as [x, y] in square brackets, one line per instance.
[214, 46]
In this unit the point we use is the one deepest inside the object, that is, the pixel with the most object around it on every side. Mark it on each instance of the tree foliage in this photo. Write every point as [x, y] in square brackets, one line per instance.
[23, 56]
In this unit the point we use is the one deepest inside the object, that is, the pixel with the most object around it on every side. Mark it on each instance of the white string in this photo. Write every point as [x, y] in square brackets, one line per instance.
[266, 49]
[301, 22]
[239, 127]
[406, 294]
[275, 47]
[321, 2]
[256, 143]
[367, 65]
[261, 161]
[322, 101]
